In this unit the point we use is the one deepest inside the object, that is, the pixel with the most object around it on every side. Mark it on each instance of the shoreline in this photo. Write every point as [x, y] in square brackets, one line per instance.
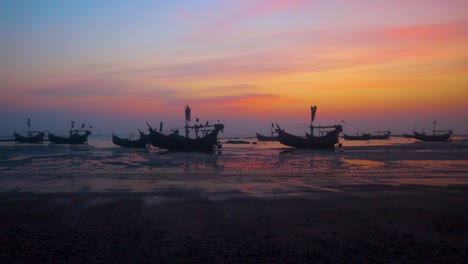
[370, 224]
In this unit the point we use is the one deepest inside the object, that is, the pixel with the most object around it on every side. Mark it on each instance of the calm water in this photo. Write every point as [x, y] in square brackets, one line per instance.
[264, 169]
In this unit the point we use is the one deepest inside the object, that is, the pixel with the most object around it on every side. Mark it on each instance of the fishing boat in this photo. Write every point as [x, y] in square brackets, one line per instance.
[32, 137]
[369, 136]
[437, 136]
[269, 138]
[176, 142]
[363, 136]
[142, 142]
[380, 135]
[77, 136]
[407, 135]
[327, 138]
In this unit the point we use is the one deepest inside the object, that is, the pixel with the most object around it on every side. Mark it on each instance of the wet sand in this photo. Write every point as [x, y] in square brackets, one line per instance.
[365, 224]
[400, 203]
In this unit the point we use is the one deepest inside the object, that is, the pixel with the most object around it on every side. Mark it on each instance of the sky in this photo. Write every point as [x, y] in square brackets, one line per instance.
[377, 65]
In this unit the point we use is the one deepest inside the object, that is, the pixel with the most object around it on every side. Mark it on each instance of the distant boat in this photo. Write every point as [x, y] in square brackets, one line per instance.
[369, 136]
[237, 142]
[437, 135]
[142, 142]
[407, 135]
[269, 138]
[76, 137]
[33, 136]
[434, 137]
[38, 138]
[380, 135]
[327, 139]
[363, 136]
[176, 142]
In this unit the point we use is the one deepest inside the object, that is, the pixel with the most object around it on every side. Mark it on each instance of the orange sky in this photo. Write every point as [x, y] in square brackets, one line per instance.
[377, 65]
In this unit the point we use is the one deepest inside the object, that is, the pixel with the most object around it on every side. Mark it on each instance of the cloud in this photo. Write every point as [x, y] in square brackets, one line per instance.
[443, 32]
[253, 9]
[84, 88]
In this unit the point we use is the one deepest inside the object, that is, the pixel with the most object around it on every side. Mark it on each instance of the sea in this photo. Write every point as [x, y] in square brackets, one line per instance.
[254, 169]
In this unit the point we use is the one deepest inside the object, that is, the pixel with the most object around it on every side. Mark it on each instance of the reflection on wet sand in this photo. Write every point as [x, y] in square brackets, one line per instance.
[267, 170]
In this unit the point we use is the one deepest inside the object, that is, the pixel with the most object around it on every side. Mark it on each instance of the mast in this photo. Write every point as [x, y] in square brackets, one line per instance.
[29, 125]
[313, 110]
[187, 119]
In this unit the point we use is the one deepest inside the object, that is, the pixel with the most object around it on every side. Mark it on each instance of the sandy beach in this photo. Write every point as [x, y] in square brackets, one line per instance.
[362, 204]
[408, 224]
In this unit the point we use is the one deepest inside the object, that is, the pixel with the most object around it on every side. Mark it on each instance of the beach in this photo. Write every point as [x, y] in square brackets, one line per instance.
[378, 203]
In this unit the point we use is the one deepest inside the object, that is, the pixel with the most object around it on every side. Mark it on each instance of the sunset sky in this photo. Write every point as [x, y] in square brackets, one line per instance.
[379, 65]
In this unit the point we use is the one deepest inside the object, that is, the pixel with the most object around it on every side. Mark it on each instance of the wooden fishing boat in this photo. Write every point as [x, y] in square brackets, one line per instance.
[142, 142]
[435, 137]
[363, 136]
[328, 136]
[31, 138]
[380, 135]
[176, 142]
[369, 136]
[268, 138]
[327, 141]
[407, 135]
[76, 137]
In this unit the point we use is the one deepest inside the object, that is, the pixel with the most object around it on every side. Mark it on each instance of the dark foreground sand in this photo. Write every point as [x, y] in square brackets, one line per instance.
[366, 224]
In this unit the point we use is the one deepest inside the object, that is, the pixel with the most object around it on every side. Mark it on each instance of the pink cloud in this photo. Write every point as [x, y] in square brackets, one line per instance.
[428, 32]
[257, 8]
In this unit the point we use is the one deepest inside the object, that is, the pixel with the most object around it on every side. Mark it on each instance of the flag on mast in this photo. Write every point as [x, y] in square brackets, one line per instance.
[187, 113]
[313, 110]
[29, 122]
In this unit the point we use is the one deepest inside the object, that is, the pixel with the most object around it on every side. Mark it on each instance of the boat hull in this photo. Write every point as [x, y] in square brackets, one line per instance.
[175, 142]
[432, 138]
[33, 139]
[363, 137]
[323, 142]
[126, 143]
[266, 138]
[74, 139]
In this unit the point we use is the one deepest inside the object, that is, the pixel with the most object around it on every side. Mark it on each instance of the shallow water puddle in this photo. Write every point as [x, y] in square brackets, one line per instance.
[362, 162]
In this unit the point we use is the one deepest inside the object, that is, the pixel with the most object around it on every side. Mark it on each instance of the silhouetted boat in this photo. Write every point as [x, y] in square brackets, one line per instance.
[380, 135]
[268, 138]
[75, 137]
[38, 138]
[363, 136]
[175, 142]
[434, 137]
[326, 140]
[142, 142]
[329, 140]
[369, 136]
[237, 142]
[33, 136]
[407, 135]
